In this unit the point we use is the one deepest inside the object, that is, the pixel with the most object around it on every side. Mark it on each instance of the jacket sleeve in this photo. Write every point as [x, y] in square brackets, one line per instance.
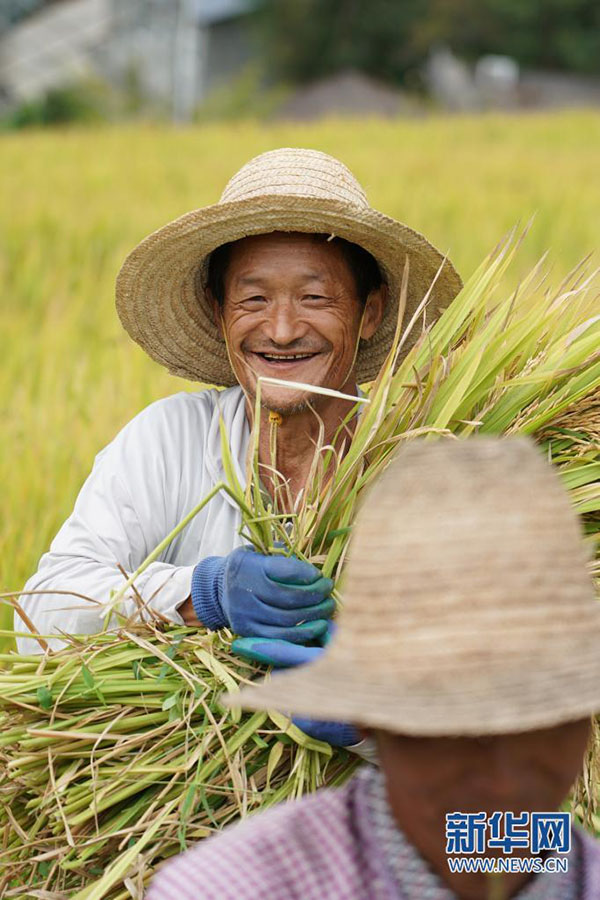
[126, 507]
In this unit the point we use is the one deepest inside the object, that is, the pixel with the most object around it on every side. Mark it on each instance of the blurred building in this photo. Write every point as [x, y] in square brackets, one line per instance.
[172, 54]
[346, 93]
[175, 51]
[450, 81]
[497, 82]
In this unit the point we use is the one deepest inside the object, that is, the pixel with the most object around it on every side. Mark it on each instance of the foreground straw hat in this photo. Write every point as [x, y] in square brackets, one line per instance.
[161, 299]
[468, 608]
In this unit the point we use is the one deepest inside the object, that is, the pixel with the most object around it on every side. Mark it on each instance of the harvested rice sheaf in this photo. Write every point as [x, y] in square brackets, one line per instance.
[115, 753]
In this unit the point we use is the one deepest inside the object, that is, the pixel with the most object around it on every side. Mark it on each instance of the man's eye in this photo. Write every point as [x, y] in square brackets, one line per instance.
[256, 299]
[314, 297]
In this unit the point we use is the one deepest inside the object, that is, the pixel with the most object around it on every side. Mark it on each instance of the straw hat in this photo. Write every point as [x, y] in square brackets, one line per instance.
[161, 299]
[468, 608]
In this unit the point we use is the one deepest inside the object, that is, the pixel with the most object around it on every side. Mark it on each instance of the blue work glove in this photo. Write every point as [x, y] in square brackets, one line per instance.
[284, 655]
[262, 596]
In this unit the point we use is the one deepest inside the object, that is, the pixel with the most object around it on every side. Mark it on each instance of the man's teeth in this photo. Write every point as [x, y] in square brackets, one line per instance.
[287, 355]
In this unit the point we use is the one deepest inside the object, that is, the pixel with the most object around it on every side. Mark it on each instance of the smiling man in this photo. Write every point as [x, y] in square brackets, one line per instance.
[291, 275]
[293, 306]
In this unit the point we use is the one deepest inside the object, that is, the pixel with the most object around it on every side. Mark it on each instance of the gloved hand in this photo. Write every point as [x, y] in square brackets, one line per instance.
[264, 596]
[282, 655]
[276, 653]
[338, 734]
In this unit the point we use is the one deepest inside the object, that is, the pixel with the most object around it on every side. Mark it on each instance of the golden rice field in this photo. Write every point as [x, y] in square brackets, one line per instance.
[73, 203]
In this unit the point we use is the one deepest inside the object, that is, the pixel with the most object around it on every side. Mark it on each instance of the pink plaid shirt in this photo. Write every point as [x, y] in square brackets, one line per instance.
[341, 845]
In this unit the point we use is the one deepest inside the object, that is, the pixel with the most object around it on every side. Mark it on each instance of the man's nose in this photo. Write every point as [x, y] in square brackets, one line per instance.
[284, 323]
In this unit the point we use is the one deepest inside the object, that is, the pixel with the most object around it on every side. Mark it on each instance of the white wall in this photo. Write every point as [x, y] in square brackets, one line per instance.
[52, 46]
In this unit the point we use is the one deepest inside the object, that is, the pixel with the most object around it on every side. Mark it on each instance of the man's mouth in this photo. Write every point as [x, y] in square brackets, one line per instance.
[284, 360]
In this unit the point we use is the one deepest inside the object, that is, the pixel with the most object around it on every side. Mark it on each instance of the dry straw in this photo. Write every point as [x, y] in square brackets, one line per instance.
[115, 752]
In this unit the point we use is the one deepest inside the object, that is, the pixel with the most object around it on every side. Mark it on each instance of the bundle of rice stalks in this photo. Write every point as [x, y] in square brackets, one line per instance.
[115, 752]
[524, 362]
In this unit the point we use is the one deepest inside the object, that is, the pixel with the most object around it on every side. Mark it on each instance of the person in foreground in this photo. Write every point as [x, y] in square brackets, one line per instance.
[292, 275]
[468, 647]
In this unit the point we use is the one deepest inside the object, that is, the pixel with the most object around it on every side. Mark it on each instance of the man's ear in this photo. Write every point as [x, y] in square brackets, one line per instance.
[373, 312]
[216, 311]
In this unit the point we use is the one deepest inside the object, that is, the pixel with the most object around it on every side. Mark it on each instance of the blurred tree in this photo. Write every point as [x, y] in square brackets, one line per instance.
[306, 39]
[85, 101]
[546, 34]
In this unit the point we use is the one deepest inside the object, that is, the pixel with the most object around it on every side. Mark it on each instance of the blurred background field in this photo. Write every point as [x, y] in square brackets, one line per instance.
[460, 117]
[75, 202]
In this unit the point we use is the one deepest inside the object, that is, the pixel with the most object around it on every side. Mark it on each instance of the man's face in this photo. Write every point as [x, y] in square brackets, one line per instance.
[429, 777]
[291, 312]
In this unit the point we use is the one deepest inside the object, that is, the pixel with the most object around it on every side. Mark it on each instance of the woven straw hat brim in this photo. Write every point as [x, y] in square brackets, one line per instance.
[489, 697]
[162, 304]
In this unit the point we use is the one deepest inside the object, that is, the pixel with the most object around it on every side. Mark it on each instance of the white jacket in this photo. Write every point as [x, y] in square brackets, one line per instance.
[161, 465]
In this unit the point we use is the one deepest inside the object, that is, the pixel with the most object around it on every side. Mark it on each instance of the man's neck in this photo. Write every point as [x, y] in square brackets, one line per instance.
[297, 437]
